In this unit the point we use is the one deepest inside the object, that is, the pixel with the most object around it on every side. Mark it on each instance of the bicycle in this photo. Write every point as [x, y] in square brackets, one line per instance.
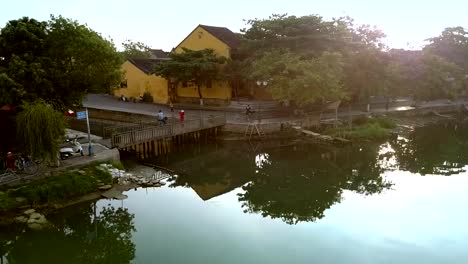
[22, 165]
[26, 165]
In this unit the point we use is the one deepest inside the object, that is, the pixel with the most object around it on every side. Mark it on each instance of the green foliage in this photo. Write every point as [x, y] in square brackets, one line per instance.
[58, 188]
[58, 60]
[118, 165]
[337, 58]
[452, 45]
[365, 73]
[147, 97]
[302, 80]
[366, 129]
[81, 234]
[197, 66]
[5, 202]
[439, 79]
[438, 149]
[39, 129]
[135, 50]
[307, 35]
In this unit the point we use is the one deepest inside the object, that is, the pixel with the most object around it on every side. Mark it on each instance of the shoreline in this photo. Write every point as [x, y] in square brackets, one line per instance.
[405, 124]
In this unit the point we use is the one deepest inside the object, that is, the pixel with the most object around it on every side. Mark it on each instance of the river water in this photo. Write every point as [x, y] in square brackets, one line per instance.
[400, 201]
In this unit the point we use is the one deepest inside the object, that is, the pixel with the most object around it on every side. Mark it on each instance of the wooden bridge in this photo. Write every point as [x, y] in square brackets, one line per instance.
[142, 137]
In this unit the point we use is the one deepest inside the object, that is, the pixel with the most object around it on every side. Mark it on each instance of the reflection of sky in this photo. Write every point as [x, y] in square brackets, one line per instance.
[387, 159]
[261, 159]
[421, 220]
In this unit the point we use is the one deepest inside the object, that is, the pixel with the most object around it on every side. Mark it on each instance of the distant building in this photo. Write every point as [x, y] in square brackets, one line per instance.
[158, 54]
[139, 79]
[223, 41]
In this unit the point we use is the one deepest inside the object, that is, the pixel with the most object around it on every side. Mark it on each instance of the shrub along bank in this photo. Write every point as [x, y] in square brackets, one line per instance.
[365, 128]
[63, 187]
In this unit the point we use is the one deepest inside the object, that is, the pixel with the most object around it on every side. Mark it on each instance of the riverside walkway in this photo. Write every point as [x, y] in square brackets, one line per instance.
[235, 118]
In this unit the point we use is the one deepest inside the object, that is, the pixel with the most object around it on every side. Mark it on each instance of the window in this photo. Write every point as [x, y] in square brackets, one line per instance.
[209, 84]
[184, 84]
[123, 84]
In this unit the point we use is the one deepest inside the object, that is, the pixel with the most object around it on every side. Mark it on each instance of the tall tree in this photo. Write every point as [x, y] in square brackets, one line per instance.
[309, 37]
[452, 45]
[136, 50]
[59, 61]
[440, 79]
[290, 77]
[306, 35]
[198, 66]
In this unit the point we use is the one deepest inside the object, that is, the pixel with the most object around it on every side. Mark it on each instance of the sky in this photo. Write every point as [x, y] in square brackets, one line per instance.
[164, 24]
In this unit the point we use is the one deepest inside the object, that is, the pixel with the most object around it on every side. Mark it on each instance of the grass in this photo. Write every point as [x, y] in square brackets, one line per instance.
[62, 187]
[365, 129]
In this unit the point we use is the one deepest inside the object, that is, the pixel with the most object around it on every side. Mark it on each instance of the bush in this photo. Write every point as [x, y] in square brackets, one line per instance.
[366, 129]
[147, 97]
[384, 122]
[61, 187]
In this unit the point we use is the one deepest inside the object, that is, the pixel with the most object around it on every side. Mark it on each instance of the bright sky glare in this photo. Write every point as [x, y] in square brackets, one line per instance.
[163, 24]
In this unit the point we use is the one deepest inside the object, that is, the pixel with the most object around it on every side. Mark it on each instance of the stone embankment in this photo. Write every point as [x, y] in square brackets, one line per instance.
[123, 181]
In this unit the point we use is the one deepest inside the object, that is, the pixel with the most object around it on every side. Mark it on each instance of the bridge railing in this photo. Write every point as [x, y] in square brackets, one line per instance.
[137, 135]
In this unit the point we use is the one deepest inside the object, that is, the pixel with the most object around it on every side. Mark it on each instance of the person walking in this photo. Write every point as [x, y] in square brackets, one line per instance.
[182, 115]
[171, 106]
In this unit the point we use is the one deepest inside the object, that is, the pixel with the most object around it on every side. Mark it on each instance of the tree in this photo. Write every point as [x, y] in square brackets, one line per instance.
[365, 73]
[198, 66]
[403, 72]
[439, 79]
[452, 45]
[135, 50]
[58, 61]
[426, 152]
[306, 35]
[39, 128]
[309, 37]
[80, 236]
[302, 80]
[300, 185]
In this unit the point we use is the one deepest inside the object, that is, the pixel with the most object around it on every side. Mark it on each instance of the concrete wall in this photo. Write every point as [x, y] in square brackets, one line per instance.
[119, 116]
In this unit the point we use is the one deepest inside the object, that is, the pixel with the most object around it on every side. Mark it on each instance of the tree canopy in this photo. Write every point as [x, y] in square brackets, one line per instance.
[304, 81]
[58, 60]
[198, 66]
[136, 50]
[452, 45]
[320, 59]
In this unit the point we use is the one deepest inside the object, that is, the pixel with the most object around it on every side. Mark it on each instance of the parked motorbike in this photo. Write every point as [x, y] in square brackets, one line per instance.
[74, 150]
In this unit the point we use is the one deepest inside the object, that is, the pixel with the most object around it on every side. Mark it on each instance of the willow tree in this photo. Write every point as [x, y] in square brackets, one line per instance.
[39, 128]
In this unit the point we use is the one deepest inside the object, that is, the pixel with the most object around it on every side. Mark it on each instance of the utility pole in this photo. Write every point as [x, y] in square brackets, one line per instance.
[90, 146]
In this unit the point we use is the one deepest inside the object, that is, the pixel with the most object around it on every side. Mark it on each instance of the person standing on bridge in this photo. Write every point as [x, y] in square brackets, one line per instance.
[182, 115]
[161, 118]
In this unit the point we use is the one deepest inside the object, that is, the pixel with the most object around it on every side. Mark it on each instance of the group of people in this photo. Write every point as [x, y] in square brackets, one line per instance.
[163, 119]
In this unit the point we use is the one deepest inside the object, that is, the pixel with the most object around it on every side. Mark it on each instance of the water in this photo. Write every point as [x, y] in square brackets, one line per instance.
[401, 201]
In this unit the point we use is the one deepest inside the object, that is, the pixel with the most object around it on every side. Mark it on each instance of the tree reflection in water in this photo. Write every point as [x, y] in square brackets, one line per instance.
[300, 183]
[296, 183]
[439, 149]
[77, 235]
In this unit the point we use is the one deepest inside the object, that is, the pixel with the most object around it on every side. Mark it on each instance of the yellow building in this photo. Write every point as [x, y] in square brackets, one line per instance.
[223, 41]
[138, 80]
